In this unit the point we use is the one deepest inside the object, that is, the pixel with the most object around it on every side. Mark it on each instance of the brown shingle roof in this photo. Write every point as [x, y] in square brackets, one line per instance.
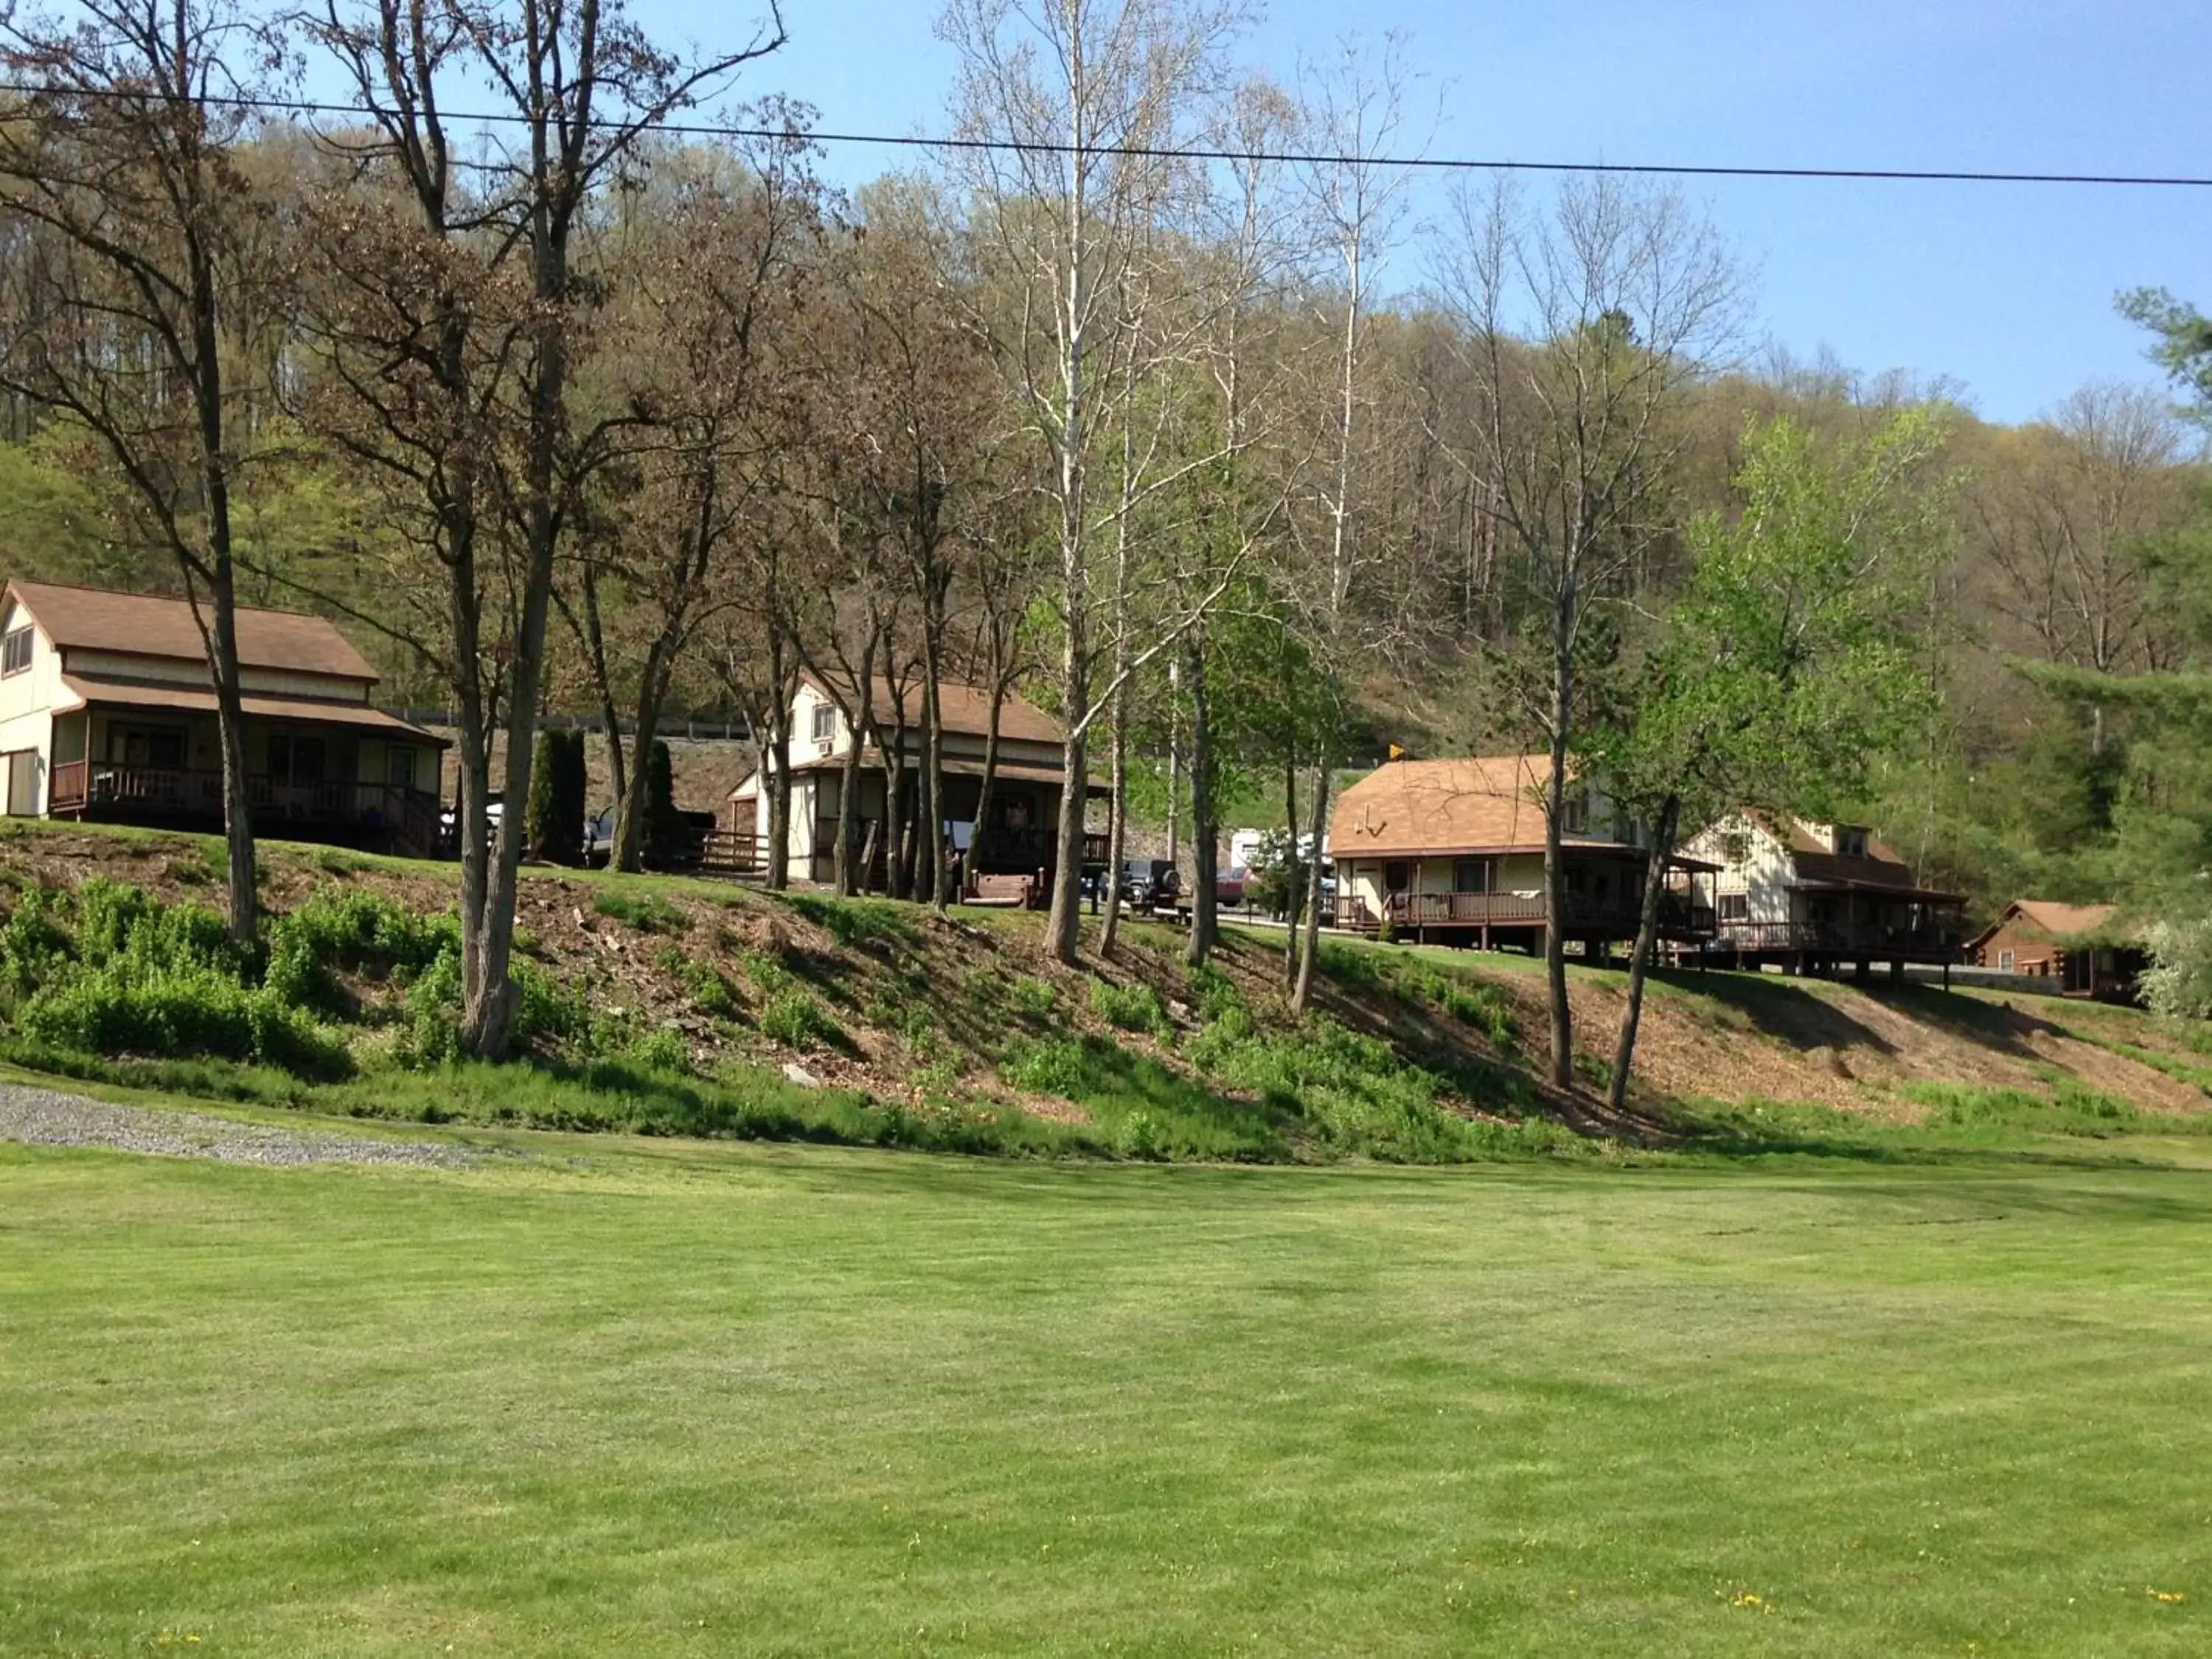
[965, 708]
[117, 694]
[2062, 921]
[1484, 804]
[100, 619]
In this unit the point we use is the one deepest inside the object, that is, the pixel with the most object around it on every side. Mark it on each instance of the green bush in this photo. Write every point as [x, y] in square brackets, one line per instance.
[1037, 998]
[1215, 992]
[1131, 1007]
[350, 931]
[35, 942]
[125, 1009]
[1061, 1067]
[1355, 1095]
[852, 922]
[796, 1020]
[117, 921]
[709, 990]
[661, 1049]
[648, 912]
[553, 815]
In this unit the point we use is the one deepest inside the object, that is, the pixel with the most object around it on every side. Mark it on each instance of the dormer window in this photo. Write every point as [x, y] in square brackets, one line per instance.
[1850, 843]
[824, 725]
[16, 650]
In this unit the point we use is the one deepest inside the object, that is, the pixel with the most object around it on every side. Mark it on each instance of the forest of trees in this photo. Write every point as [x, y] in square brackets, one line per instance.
[556, 409]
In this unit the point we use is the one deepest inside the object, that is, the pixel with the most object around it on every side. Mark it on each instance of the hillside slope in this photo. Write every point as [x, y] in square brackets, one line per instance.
[680, 1006]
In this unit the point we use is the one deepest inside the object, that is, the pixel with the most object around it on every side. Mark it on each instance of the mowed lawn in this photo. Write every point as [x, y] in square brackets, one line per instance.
[759, 1400]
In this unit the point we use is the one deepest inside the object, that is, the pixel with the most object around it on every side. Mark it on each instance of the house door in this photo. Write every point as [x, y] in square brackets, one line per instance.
[23, 783]
[2078, 976]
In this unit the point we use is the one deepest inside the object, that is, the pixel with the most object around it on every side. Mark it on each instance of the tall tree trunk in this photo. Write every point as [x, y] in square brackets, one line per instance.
[932, 767]
[1294, 891]
[777, 770]
[1309, 937]
[1555, 944]
[630, 805]
[979, 832]
[1117, 821]
[229, 700]
[1647, 945]
[1205, 831]
[848, 804]
[1063, 926]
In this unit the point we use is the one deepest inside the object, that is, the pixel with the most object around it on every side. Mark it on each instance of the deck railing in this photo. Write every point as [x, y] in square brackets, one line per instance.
[97, 786]
[1939, 940]
[1678, 917]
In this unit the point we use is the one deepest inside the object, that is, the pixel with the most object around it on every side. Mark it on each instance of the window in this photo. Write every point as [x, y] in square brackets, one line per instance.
[16, 650]
[824, 726]
[1735, 907]
[2004, 961]
[399, 766]
[1574, 812]
[1396, 876]
[1850, 843]
[160, 746]
[1470, 875]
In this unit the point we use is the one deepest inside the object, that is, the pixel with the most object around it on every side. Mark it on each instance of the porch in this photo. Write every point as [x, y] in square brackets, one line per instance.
[1682, 915]
[348, 777]
[1496, 899]
[1020, 838]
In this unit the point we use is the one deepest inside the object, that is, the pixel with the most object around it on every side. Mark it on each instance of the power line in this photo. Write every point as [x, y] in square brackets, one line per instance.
[1173, 152]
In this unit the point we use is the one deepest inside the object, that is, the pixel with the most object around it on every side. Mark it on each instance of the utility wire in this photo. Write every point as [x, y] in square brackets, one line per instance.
[1150, 153]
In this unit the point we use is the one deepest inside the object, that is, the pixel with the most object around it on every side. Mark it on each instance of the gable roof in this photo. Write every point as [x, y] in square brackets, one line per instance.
[2050, 916]
[145, 625]
[1482, 804]
[965, 708]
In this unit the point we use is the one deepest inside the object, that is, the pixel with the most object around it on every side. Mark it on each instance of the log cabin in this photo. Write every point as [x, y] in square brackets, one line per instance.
[1452, 852]
[2076, 946]
[107, 714]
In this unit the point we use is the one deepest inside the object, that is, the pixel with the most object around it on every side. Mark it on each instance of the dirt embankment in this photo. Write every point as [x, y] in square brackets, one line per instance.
[896, 984]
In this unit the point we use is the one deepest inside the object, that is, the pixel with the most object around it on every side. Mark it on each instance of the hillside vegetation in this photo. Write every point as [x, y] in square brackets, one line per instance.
[671, 1006]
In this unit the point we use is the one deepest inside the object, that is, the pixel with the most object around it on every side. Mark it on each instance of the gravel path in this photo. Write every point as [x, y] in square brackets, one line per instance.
[40, 1117]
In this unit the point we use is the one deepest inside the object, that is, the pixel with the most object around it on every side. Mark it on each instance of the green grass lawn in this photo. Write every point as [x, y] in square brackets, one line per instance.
[625, 1398]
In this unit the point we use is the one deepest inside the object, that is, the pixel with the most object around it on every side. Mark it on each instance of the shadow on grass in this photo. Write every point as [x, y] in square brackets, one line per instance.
[1776, 1007]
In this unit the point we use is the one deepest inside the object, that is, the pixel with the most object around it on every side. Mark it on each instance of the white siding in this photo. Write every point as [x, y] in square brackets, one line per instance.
[1762, 870]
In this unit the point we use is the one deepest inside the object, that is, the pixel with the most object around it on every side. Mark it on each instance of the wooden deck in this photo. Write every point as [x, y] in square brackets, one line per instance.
[158, 794]
[1424, 914]
[1939, 944]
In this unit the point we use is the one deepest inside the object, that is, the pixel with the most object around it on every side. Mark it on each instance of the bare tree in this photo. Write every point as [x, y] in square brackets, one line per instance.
[688, 378]
[579, 85]
[1086, 94]
[1355, 114]
[2061, 524]
[1583, 326]
[135, 282]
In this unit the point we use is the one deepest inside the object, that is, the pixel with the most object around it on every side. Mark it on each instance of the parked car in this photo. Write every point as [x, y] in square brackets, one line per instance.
[1148, 883]
[449, 825]
[600, 839]
[1229, 888]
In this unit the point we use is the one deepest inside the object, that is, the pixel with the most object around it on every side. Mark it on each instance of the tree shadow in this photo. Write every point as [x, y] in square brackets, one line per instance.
[1778, 1008]
[1999, 1025]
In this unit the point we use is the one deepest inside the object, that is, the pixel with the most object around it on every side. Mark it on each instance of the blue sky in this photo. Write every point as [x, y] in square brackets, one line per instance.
[2006, 288]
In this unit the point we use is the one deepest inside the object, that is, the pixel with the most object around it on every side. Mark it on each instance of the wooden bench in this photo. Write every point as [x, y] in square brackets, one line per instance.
[1006, 892]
